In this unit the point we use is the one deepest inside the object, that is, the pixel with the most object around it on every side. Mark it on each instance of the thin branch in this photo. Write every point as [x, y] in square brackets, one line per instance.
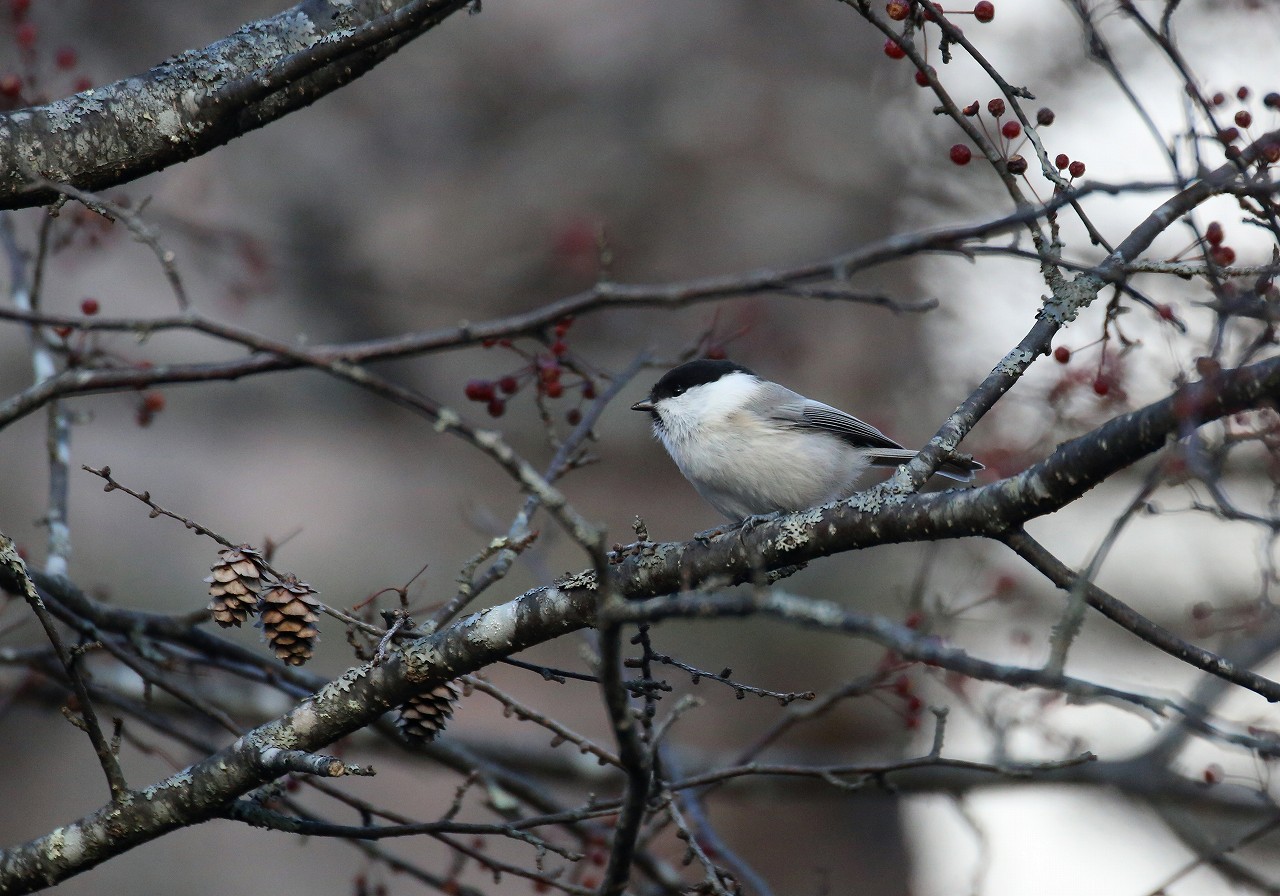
[636, 760]
[1061, 575]
[20, 583]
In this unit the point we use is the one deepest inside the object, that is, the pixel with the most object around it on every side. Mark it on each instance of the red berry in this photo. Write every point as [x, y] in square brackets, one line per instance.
[1202, 610]
[573, 417]
[1271, 100]
[1076, 169]
[1212, 773]
[65, 58]
[984, 11]
[18, 8]
[153, 402]
[996, 107]
[559, 348]
[1243, 118]
[1101, 385]
[893, 49]
[1213, 234]
[563, 325]
[82, 84]
[509, 384]
[716, 353]
[62, 332]
[1005, 583]
[89, 306]
[490, 342]
[588, 390]
[1271, 152]
[1062, 354]
[971, 109]
[25, 35]
[1242, 93]
[1218, 99]
[549, 373]
[496, 407]
[479, 390]
[1016, 165]
[1011, 130]
[1222, 255]
[1045, 117]
[1165, 312]
[1062, 160]
[1228, 135]
[554, 389]
[922, 77]
[961, 154]
[10, 85]
[897, 10]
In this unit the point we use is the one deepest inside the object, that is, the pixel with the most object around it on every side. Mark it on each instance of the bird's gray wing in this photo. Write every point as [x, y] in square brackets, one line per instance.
[784, 406]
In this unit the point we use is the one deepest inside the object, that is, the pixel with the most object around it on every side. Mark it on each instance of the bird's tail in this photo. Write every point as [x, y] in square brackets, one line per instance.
[961, 469]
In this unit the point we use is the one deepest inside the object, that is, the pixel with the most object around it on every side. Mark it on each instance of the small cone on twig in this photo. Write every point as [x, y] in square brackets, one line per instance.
[424, 716]
[234, 585]
[289, 614]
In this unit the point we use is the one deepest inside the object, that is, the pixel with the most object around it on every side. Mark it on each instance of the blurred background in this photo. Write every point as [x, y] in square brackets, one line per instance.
[468, 178]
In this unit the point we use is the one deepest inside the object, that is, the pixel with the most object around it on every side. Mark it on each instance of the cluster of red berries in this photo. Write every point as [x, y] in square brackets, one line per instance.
[26, 36]
[1010, 130]
[900, 685]
[150, 403]
[1208, 619]
[89, 306]
[1243, 118]
[1106, 380]
[1063, 162]
[1219, 253]
[898, 10]
[912, 706]
[544, 369]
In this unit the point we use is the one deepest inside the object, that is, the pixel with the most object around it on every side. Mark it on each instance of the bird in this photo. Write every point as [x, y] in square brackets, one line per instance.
[752, 448]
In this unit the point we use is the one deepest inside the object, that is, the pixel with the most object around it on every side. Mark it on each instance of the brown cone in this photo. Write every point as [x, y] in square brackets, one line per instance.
[289, 615]
[424, 716]
[234, 585]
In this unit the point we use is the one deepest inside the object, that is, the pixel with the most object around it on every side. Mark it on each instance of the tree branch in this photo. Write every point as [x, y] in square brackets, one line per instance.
[199, 100]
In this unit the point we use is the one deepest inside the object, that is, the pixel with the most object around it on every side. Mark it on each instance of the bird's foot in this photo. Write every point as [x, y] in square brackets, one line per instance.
[742, 527]
[757, 519]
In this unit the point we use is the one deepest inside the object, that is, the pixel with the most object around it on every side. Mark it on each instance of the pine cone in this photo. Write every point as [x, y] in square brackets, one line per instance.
[424, 716]
[289, 616]
[233, 587]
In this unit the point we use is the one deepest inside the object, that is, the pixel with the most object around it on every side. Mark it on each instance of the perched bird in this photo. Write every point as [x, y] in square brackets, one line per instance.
[751, 447]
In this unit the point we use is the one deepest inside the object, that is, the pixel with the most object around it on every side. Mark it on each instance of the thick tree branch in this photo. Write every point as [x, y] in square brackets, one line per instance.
[201, 99]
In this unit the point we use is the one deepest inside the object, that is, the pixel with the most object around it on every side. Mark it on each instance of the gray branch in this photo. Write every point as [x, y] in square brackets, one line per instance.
[200, 99]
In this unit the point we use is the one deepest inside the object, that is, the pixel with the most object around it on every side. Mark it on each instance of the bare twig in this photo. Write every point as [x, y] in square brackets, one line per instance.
[17, 570]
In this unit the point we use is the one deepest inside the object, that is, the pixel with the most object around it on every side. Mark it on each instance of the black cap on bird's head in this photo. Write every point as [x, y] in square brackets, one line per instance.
[680, 379]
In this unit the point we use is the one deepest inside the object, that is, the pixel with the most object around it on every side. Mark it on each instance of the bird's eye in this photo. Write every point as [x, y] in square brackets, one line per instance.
[678, 390]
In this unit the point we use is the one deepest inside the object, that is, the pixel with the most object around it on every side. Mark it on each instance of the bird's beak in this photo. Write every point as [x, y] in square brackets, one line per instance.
[645, 405]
